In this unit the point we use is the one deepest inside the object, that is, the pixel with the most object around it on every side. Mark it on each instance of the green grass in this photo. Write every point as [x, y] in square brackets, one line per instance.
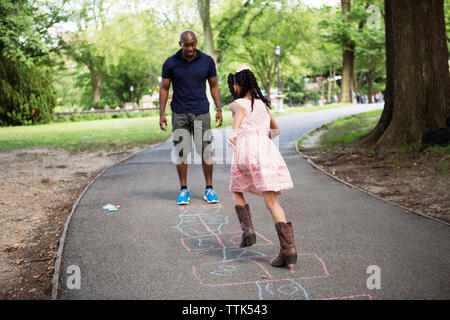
[109, 134]
[86, 135]
[440, 150]
[347, 129]
[443, 168]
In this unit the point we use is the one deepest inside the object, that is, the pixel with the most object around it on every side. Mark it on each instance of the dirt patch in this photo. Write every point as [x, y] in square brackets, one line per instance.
[419, 181]
[38, 188]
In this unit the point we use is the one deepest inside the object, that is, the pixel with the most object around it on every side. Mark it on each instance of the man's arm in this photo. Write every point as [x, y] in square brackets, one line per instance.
[163, 96]
[215, 93]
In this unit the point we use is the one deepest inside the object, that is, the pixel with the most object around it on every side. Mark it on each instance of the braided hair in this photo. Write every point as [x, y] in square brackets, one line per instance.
[246, 81]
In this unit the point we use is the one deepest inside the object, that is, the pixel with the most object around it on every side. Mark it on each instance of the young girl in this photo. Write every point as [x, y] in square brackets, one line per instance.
[257, 166]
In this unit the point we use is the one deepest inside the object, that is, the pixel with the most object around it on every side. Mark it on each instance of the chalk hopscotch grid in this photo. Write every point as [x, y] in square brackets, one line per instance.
[198, 223]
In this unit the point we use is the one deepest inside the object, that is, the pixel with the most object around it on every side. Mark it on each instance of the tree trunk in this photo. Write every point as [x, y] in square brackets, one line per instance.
[357, 82]
[370, 77]
[348, 59]
[97, 82]
[334, 79]
[329, 86]
[322, 86]
[204, 11]
[418, 82]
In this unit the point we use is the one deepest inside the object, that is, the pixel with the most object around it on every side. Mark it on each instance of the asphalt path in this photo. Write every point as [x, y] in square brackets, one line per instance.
[350, 244]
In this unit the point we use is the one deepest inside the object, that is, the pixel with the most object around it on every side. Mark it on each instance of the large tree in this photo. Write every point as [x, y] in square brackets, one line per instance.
[348, 56]
[418, 82]
[81, 46]
[204, 8]
[228, 24]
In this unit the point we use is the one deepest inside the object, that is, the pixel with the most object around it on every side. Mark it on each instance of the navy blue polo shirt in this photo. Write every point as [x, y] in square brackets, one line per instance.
[189, 82]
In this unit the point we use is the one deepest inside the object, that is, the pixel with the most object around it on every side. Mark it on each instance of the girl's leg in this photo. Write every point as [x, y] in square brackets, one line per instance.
[245, 220]
[288, 252]
[238, 198]
[270, 198]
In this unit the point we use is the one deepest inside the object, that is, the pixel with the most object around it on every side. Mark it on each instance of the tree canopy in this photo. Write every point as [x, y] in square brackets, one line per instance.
[88, 53]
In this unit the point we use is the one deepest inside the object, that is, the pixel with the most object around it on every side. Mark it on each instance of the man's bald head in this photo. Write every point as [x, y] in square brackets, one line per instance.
[187, 36]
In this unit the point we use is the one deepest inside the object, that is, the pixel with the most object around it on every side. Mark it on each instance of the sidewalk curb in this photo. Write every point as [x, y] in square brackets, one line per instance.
[358, 188]
[61, 241]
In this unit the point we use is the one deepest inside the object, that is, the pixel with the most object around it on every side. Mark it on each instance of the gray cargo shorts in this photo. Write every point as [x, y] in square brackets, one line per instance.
[186, 125]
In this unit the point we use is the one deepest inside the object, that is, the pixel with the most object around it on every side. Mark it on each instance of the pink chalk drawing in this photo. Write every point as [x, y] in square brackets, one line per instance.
[352, 297]
[229, 240]
[310, 267]
[204, 206]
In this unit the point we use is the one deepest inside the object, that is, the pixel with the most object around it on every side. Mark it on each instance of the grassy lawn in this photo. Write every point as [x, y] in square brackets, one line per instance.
[110, 134]
[86, 135]
[347, 129]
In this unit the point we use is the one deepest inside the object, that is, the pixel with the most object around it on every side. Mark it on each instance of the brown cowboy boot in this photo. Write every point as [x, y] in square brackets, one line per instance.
[245, 220]
[288, 252]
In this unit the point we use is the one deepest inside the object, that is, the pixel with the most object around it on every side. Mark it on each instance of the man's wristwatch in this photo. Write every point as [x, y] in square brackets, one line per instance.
[218, 109]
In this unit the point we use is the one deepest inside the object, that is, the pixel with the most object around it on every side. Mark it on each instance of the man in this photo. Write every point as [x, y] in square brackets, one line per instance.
[188, 70]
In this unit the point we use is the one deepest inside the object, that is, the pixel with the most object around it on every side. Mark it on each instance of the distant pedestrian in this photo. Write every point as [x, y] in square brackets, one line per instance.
[257, 166]
[322, 101]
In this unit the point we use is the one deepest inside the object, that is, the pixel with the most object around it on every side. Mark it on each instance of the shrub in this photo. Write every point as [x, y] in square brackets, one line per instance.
[75, 118]
[27, 95]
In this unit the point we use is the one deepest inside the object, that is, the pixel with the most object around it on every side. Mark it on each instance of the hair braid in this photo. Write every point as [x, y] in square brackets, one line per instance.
[246, 80]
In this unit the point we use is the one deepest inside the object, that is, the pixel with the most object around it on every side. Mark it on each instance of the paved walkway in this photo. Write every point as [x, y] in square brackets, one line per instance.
[153, 249]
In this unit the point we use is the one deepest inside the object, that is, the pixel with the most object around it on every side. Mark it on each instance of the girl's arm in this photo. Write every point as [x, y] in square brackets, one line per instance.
[274, 130]
[238, 115]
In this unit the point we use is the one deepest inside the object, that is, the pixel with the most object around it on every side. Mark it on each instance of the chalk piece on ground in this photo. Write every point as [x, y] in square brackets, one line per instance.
[110, 207]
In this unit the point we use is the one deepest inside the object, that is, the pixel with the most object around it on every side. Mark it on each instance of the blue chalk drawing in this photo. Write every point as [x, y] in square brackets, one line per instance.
[225, 270]
[289, 289]
[191, 226]
[240, 253]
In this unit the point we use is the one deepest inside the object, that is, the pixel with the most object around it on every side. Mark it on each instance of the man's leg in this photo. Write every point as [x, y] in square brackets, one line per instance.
[207, 172]
[203, 146]
[182, 173]
[182, 142]
[182, 147]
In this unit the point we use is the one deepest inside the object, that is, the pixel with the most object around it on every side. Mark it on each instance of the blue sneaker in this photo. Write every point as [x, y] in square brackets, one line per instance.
[183, 197]
[210, 196]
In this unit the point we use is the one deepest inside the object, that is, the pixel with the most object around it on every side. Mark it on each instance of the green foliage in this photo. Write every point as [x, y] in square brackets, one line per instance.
[24, 30]
[112, 45]
[26, 94]
[364, 27]
[371, 154]
[254, 29]
[27, 49]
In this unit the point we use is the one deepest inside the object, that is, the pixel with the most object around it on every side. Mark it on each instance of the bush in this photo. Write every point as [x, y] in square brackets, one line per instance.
[27, 95]
[63, 119]
[75, 118]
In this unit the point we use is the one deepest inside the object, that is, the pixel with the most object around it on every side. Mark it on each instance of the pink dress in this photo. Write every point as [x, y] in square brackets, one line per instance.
[257, 164]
